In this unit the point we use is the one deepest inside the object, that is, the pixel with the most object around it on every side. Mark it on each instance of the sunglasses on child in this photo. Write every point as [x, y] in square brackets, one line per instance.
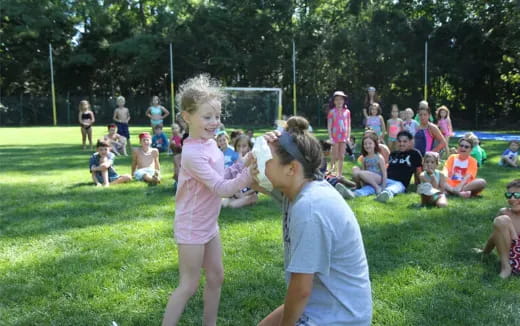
[510, 195]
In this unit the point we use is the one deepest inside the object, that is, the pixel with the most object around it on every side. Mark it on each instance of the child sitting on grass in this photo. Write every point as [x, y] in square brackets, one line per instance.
[145, 161]
[101, 167]
[506, 233]
[373, 170]
[510, 155]
[433, 182]
[116, 141]
[230, 156]
[246, 196]
[159, 139]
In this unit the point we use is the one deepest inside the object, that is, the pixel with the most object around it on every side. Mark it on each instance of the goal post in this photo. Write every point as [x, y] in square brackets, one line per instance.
[247, 105]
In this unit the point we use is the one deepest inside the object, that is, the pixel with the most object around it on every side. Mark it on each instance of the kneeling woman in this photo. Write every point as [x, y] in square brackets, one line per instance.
[325, 262]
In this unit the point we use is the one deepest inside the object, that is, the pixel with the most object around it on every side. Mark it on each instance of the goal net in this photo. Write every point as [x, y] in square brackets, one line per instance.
[250, 107]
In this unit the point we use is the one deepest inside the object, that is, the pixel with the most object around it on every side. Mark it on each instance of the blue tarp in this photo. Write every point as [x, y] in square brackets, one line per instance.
[489, 136]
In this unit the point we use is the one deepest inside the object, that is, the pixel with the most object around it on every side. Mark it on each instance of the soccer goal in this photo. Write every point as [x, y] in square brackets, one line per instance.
[252, 106]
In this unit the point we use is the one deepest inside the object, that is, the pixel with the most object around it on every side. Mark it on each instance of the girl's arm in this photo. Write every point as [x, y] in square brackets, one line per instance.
[422, 177]
[165, 111]
[401, 125]
[442, 182]
[348, 124]
[200, 169]
[79, 118]
[147, 113]
[441, 141]
[383, 127]
[93, 118]
[329, 125]
[382, 166]
[365, 113]
[450, 127]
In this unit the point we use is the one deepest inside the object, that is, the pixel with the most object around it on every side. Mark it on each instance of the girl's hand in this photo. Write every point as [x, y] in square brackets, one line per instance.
[272, 136]
[253, 169]
[248, 159]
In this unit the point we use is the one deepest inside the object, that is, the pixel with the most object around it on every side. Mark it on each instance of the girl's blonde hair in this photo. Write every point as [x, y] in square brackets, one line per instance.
[442, 108]
[198, 90]
[120, 99]
[432, 155]
[83, 102]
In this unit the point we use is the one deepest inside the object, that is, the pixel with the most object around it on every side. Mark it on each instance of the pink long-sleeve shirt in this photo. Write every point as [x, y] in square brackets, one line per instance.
[203, 180]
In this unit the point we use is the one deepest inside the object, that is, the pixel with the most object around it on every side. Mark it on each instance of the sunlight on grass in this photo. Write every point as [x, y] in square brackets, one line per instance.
[74, 254]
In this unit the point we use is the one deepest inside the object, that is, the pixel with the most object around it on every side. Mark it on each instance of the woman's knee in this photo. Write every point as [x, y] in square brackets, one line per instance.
[502, 222]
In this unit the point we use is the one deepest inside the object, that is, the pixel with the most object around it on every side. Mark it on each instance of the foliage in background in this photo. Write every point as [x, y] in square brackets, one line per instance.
[107, 48]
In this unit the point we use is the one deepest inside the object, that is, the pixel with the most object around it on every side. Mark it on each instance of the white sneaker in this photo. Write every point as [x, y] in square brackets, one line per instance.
[344, 191]
[384, 196]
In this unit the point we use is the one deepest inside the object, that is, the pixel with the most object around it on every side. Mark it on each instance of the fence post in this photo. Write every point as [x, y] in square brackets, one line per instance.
[68, 107]
[21, 108]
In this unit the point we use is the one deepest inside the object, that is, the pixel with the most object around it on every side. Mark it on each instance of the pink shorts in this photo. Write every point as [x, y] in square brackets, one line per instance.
[339, 150]
[514, 257]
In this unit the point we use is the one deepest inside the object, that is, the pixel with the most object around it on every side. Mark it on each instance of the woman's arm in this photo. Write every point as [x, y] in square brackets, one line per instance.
[437, 135]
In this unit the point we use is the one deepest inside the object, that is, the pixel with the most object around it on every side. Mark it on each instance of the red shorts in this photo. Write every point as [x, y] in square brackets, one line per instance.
[514, 256]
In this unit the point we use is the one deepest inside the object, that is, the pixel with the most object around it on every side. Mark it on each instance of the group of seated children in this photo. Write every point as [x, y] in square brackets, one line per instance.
[145, 164]
[241, 144]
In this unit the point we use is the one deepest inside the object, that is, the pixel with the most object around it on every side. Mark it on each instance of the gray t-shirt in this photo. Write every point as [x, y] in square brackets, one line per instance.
[322, 237]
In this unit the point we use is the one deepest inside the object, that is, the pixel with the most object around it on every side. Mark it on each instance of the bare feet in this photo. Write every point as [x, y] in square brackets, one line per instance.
[156, 179]
[506, 272]
[465, 194]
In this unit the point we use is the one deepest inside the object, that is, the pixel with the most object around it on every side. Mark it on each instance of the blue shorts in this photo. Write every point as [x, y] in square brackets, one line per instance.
[122, 129]
[156, 122]
[139, 174]
[305, 321]
[112, 176]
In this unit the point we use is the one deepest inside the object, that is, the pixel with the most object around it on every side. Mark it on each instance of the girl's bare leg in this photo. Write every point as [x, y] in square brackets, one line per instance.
[83, 136]
[122, 179]
[355, 176]
[190, 263]
[274, 318]
[333, 157]
[214, 278]
[89, 133]
[371, 179]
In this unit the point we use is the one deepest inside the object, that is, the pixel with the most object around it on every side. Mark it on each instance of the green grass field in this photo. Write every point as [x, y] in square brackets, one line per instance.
[74, 254]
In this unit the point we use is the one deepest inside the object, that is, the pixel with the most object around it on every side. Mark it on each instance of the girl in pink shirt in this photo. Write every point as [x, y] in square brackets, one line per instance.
[202, 182]
[338, 124]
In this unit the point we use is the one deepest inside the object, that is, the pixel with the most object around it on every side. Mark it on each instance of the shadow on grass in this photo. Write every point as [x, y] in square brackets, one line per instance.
[48, 157]
[29, 209]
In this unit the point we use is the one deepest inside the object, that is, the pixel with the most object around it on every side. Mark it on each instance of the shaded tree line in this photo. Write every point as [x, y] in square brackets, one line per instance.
[105, 48]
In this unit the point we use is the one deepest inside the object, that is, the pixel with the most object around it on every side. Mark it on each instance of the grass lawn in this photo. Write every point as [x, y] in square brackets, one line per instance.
[74, 254]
